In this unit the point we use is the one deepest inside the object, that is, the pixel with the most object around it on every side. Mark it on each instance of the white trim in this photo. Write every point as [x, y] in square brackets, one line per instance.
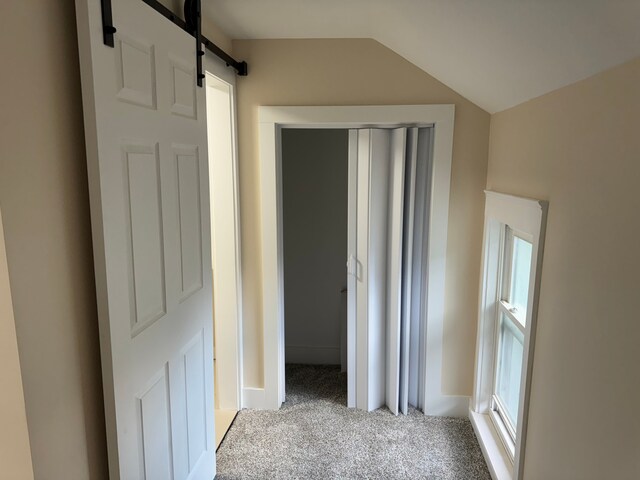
[271, 121]
[527, 216]
[435, 402]
[226, 252]
[505, 433]
[499, 464]
[312, 355]
[371, 116]
[253, 397]
[219, 69]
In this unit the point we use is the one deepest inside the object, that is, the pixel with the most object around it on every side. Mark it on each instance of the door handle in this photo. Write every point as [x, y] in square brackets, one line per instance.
[352, 266]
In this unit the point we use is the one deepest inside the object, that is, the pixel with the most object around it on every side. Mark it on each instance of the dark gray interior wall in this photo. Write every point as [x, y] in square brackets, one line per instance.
[314, 167]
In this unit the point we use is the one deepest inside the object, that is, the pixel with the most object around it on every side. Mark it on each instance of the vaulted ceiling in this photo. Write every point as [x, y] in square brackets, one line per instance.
[496, 53]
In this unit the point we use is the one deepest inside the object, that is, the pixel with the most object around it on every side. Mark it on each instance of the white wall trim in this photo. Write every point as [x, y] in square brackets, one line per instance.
[435, 401]
[528, 216]
[226, 253]
[271, 121]
[253, 398]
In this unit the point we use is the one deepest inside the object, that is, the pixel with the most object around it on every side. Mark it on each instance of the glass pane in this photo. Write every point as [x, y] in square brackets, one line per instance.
[520, 270]
[510, 352]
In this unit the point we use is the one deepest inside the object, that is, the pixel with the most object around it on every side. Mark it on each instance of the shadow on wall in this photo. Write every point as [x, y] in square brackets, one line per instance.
[314, 170]
[44, 198]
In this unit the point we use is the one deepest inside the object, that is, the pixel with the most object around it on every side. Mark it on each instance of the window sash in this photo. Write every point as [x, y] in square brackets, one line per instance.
[509, 238]
[496, 403]
[515, 317]
[502, 425]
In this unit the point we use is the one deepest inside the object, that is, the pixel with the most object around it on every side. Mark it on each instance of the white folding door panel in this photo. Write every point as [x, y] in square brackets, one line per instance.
[146, 140]
[407, 265]
[389, 178]
[352, 269]
[376, 172]
[373, 152]
[395, 221]
[416, 286]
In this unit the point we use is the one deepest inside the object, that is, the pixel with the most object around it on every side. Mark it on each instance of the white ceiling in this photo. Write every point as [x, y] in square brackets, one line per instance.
[496, 53]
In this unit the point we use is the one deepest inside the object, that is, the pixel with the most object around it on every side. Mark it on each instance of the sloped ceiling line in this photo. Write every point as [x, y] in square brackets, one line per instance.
[496, 53]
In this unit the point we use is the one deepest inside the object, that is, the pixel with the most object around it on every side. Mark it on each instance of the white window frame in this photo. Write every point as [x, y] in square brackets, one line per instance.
[501, 422]
[502, 447]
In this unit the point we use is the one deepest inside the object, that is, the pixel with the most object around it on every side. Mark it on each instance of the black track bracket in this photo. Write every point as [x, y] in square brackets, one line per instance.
[108, 30]
[190, 25]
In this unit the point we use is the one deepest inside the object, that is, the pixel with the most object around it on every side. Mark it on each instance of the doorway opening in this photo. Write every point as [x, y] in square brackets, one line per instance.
[272, 121]
[356, 208]
[314, 191]
[225, 247]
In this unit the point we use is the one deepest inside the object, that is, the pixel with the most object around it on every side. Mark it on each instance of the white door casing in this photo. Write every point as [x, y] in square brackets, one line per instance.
[146, 141]
[271, 120]
[225, 232]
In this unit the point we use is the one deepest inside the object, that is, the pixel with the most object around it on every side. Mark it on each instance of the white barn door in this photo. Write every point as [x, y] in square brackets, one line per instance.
[146, 137]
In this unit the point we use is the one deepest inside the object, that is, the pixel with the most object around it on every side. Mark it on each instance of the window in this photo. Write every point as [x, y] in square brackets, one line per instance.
[511, 321]
[513, 241]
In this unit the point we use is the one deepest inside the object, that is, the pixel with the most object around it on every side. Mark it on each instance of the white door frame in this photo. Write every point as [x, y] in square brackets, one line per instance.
[271, 121]
[226, 252]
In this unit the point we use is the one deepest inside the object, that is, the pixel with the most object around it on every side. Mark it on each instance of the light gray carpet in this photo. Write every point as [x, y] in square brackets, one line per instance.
[314, 436]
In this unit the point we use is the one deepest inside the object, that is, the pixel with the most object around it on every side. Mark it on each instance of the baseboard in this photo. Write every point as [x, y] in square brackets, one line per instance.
[253, 398]
[312, 355]
[447, 406]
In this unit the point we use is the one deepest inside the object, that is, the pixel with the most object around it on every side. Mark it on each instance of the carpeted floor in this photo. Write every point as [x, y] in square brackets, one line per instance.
[314, 436]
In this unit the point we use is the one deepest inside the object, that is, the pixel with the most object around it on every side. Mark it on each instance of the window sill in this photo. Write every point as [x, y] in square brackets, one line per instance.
[492, 447]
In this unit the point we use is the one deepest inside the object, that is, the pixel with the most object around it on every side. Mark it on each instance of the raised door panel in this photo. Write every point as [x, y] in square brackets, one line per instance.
[183, 88]
[136, 72]
[143, 200]
[155, 430]
[189, 219]
[196, 411]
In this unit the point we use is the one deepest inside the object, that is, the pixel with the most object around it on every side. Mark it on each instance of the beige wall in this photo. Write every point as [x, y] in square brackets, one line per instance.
[579, 148]
[44, 201]
[15, 451]
[363, 72]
